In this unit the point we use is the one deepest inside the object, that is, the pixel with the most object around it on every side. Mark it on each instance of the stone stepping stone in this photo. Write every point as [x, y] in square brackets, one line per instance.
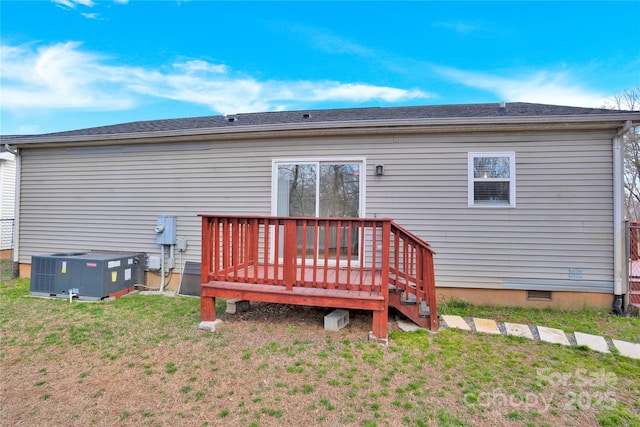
[518, 330]
[627, 349]
[594, 342]
[486, 326]
[456, 322]
[553, 336]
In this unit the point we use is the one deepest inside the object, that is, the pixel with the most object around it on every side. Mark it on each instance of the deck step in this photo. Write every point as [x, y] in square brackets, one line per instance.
[408, 299]
[634, 297]
[425, 310]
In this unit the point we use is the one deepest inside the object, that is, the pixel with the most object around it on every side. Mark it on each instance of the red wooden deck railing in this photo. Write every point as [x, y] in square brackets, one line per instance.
[331, 262]
[633, 262]
[412, 275]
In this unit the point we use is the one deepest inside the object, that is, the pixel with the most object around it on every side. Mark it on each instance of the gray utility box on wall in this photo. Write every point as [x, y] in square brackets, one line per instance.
[166, 230]
[89, 275]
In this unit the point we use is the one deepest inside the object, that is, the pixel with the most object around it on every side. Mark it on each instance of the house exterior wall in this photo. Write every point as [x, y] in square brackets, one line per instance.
[559, 236]
[7, 198]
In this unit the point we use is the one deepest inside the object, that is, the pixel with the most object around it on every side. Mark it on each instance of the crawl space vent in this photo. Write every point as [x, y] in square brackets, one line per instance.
[539, 295]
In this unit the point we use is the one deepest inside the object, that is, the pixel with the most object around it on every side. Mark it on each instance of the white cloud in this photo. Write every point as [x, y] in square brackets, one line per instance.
[548, 87]
[333, 44]
[57, 76]
[361, 92]
[325, 41]
[201, 66]
[543, 87]
[71, 4]
[62, 76]
[64, 3]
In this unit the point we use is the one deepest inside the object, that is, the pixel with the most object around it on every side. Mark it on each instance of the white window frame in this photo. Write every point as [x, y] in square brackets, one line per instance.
[317, 161]
[472, 180]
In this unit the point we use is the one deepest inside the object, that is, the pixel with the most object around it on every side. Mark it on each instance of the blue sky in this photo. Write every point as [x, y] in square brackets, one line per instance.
[70, 64]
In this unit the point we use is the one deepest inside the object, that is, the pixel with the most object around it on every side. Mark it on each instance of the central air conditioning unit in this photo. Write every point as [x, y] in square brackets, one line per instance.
[87, 275]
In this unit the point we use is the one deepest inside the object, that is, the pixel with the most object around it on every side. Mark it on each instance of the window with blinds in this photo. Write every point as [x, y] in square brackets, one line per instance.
[492, 179]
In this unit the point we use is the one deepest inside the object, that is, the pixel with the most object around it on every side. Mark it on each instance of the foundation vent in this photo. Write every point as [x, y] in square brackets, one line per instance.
[539, 295]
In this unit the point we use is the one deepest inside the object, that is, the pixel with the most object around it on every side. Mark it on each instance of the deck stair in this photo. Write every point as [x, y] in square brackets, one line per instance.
[407, 304]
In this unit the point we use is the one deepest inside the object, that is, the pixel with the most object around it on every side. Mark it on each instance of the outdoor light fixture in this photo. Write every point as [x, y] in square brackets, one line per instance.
[379, 170]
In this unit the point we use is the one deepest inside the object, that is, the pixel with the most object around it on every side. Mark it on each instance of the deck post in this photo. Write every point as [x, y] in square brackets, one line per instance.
[207, 304]
[429, 283]
[289, 253]
[381, 317]
[206, 266]
[207, 308]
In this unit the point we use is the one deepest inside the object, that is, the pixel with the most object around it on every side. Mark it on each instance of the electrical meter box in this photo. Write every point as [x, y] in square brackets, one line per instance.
[88, 275]
[166, 230]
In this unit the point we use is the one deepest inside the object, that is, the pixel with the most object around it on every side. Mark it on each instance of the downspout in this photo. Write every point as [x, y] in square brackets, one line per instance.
[16, 214]
[619, 278]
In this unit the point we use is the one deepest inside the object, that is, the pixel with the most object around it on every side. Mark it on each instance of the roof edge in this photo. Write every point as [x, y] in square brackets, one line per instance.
[348, 127]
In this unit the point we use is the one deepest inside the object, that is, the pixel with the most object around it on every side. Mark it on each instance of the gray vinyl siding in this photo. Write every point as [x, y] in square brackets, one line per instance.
[559, 234]
[562, 221]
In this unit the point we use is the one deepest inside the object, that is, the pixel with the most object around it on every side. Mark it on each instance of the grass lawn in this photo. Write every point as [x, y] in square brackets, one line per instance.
[141, 361]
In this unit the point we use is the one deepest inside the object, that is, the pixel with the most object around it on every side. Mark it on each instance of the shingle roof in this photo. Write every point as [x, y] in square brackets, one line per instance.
[487, 110]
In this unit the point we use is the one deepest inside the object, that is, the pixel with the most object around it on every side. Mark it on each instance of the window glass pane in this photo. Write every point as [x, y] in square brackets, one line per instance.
[339, 190]
[339, 197]
[491, 167]
[296, 190]
[322, 189]
[491, 192]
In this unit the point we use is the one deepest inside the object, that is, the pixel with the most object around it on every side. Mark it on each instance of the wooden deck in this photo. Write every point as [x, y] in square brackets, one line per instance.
[358, 263]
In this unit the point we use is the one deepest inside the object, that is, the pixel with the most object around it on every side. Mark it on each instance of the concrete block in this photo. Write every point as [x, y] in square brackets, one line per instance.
[336, 320]
[381, 341]
[210, 326]
[237, 306]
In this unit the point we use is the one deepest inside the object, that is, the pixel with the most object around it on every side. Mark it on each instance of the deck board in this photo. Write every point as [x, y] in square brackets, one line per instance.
[342, 279]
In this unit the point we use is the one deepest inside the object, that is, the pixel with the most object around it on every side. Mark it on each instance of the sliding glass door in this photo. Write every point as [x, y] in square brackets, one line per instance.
[321, 189]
